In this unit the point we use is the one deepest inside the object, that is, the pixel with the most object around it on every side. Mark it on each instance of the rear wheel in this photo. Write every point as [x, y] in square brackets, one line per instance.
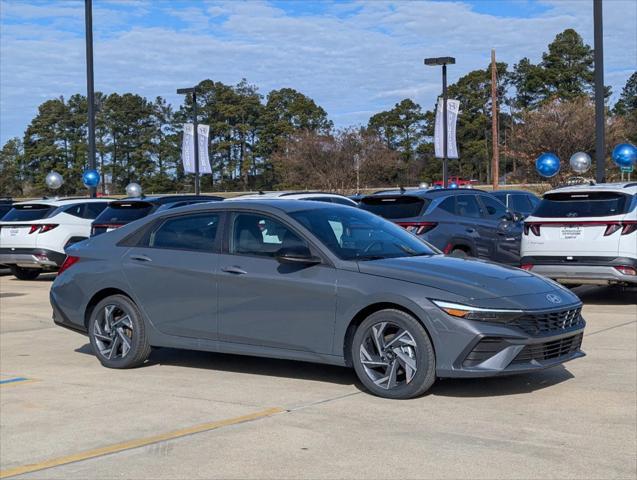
[459, 253]
[24, 273]
[116, 331]
[393, 356]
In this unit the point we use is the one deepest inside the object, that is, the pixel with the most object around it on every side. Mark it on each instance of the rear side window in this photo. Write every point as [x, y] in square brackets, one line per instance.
[188, 232]
[403, 206]
[93, 209]
[467, 206]
[448, 205]
[28, 212]
[582, 204]
[124, 212]
[493, 208]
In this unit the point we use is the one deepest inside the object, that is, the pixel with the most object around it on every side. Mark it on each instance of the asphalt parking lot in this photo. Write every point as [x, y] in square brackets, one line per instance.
[202, 415]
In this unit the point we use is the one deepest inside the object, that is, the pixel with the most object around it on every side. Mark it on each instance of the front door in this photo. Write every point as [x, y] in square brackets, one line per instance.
[173, 275]
[266, 303]
[504, 234]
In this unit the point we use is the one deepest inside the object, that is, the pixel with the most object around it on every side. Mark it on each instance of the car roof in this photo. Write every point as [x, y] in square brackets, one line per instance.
[62, 201]
[619, 187]
[163, 199]
[286, 194]
[265, 204]
[426, 192]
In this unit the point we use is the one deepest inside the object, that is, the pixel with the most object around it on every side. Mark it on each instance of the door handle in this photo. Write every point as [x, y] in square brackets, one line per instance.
[234, 270]
[141, 258]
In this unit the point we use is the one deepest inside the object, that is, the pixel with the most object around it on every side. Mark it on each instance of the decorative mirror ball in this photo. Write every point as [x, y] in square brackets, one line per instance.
[547, 165]
[53, 180]
[133, 189]
[625, 155]
[580, 162]
[91, 178]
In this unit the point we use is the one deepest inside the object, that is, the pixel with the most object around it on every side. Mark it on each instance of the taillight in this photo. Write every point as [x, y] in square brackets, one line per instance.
[626, 270]
[68, 262]
[418, 227]
[47, 227]
[533, 227]
[34, 228]
[629, 227]
[526, 266]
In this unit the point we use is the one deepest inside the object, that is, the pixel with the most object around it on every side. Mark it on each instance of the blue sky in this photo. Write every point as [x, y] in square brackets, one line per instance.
[354, 58]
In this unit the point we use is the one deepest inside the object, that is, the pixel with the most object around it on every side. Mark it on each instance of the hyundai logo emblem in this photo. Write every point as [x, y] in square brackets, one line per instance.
[551, 297]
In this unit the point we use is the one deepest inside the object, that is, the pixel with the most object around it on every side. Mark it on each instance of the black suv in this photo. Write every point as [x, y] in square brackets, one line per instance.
[461, 221]
[519, 201]
[127, 210]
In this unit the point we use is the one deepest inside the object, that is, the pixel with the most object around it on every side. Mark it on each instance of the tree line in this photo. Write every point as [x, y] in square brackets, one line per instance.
[286, 140]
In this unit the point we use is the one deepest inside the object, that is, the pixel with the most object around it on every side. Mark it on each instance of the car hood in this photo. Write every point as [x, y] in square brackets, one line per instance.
[471, 278]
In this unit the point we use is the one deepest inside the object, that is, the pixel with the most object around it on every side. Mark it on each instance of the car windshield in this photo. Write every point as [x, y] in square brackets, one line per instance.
[582, 204]
[27, 212]
[357, 235]
[124, 212]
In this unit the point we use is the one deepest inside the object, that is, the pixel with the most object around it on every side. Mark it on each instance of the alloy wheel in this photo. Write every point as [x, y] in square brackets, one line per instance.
[113, 332]
[388, 355]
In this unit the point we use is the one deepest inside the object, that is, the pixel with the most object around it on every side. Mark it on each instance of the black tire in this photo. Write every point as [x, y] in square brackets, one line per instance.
[139, 349]
[423, 355]
[24, 273]
[459, 253]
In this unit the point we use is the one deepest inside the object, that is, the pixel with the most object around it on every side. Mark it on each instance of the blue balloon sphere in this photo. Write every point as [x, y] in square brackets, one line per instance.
[547, 165]
[625, 155]
[453, 185]
[91, 178]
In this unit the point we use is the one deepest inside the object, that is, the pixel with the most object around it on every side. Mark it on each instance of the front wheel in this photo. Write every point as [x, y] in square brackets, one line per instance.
[116, 332]
[393, 356]
[24, 273]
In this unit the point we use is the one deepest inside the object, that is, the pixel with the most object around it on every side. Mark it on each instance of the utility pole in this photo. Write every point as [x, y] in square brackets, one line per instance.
[495, 166]
[90, 89]
[600, 116]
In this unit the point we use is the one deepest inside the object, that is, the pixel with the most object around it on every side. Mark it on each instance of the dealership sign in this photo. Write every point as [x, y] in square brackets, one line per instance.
[188, 148]
[453, 109]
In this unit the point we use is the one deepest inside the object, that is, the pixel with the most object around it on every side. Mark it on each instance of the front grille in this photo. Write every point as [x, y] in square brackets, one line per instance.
[541, 323]
[549, 350]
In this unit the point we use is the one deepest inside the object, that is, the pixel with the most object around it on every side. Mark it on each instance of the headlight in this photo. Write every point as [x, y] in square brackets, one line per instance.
[476, 313]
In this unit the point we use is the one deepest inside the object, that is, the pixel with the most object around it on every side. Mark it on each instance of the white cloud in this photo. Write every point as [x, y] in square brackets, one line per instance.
[354, 60]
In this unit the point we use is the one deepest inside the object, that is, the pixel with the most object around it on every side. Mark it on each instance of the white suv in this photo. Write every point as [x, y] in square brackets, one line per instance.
[584, 234]
[314, 196]
[34, 234]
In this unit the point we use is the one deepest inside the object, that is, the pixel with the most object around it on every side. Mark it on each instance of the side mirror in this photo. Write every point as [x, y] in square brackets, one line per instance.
[509, 216]
[298, 256]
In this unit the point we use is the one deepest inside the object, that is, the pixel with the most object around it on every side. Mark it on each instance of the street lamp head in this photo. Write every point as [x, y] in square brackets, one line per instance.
[184, 91]
[435, 61]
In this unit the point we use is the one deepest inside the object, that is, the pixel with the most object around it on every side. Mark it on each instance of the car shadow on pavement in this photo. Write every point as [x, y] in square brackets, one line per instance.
[451, 387]
[600, 295]
[43, 277]
[497, 386]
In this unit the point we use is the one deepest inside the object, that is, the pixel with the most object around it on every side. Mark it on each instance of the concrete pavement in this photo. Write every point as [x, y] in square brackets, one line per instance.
[575, 421]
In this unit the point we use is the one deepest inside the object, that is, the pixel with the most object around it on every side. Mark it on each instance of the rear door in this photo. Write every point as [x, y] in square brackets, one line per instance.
[473, 225]
[173, 274]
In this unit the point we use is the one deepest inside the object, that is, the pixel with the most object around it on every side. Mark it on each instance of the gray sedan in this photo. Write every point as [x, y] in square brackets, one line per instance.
[315, 282]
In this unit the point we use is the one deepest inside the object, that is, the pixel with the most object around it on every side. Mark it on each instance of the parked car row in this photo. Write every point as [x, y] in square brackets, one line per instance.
[578, 234]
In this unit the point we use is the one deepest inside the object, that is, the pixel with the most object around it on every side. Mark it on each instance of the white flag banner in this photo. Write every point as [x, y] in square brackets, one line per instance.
[188, 148]
[453, 109]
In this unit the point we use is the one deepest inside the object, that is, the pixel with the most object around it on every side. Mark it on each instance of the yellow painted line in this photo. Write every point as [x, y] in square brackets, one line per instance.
[141, 442]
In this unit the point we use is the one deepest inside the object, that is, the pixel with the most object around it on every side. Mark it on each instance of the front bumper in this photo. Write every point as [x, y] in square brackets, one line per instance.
[491, 349]
[583, 270]
[31, 258]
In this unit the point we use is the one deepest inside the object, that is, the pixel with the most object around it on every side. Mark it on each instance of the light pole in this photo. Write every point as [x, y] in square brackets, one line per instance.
[443, 61]
[193, 91]
[90, 91]
[600, 143]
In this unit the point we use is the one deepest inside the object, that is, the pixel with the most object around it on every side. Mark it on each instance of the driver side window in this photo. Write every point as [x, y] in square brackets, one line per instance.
[262, 236]
[492, 208]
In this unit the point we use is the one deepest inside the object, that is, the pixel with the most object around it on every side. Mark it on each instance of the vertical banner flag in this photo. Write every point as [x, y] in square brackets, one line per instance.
[453, 109]
[188, 148]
